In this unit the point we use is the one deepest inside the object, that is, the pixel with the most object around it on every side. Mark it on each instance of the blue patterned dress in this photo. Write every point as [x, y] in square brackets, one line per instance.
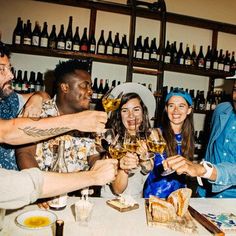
[9, 108]
[162, 186]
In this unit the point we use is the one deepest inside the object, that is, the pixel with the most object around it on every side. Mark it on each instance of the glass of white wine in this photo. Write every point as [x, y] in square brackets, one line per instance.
[157, 144]
[116, 148]
[111, 103]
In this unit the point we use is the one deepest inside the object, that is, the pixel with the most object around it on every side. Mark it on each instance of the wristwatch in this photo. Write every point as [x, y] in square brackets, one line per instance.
[209, 169]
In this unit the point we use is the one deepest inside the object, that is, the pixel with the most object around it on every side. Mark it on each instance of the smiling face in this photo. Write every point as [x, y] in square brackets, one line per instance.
[177, 110]
[132, 115]
[77, 91]
[5, 77]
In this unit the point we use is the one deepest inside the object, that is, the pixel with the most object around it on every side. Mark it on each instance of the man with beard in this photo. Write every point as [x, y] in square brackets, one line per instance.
[218, 169]
[11, 104]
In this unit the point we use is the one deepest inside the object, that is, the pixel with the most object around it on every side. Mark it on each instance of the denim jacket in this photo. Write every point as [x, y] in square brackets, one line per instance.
[225, 184]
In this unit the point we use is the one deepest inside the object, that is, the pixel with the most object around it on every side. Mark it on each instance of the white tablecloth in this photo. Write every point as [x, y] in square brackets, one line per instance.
[106, 221]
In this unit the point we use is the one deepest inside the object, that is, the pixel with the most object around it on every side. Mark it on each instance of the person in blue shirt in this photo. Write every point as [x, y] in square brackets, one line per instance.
[178, 132]
[218, 169]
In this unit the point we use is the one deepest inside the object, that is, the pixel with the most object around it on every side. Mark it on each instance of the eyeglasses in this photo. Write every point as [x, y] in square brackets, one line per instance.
[5, 68]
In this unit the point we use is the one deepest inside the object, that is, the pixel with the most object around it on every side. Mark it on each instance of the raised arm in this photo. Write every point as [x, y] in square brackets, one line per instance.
[28, 130]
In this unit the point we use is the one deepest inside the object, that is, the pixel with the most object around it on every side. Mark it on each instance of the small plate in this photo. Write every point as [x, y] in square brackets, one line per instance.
[36, 219]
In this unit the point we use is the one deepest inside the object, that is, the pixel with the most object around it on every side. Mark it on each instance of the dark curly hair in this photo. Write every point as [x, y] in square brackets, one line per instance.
[115, 120]
[4, 51]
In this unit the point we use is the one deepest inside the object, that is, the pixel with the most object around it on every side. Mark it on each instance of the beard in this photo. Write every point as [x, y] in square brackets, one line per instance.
[6, 92]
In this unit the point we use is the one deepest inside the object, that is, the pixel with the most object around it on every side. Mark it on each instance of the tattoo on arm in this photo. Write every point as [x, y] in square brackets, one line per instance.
[34, 132]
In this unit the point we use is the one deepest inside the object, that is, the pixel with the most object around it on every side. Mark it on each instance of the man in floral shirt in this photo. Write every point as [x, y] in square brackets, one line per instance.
[73, 94]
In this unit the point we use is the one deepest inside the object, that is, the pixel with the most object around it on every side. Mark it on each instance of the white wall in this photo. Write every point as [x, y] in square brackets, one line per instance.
[57, 14]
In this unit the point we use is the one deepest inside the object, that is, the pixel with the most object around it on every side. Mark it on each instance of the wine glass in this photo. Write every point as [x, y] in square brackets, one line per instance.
[157, 144]
[116, 148]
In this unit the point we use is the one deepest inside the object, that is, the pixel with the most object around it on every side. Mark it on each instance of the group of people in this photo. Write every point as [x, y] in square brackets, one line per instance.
[67, 117]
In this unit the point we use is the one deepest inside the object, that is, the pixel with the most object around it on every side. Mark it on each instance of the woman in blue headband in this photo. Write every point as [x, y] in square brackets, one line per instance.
[178, 131]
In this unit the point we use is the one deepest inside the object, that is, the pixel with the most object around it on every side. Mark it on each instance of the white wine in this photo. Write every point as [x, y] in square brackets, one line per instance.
[131, 147]
[156, 147]
[116, 153]
[111, 104]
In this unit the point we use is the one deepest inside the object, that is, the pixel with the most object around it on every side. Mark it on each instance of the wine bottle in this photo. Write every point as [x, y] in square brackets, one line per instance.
[146, 49]
[197, 101]
[153, 50]
[95, 88]
[113, 83]
[174, 58]
[61, 40]
[32, 82]
[116, 45]
[221, 61]
[202, 102]
[27, 37]
[92, 43]
[76, 40]
[52, 40]
[44, 36]
[167, 53]
[124, 47]
[180, 55]
[25, 83]
[233, 63]
[106, 87]
[101, 44]
[227, 62]
[139, 49]
[36, 34]
[19, 82]
[200, 58]
[100, 89]
[187, 57]
[84, 42]
[109, 44]
[18, 32]
[69, 35]
[194, 56]
[39, 82]
[208, 59]
[215, 59]
[60, 202]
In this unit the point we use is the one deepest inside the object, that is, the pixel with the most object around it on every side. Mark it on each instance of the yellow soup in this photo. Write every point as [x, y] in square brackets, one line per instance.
[37, 221]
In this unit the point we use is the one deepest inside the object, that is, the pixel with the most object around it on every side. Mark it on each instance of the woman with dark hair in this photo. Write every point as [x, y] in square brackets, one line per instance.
[178, 132]
[131, 117]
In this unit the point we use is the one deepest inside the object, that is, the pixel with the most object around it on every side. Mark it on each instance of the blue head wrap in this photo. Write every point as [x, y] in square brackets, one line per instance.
[181, 93]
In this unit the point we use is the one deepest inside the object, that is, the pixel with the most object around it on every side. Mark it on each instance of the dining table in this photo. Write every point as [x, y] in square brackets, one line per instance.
[107, 221]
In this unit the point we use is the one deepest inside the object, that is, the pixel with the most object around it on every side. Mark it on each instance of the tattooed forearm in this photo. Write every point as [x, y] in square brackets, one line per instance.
[34, 132]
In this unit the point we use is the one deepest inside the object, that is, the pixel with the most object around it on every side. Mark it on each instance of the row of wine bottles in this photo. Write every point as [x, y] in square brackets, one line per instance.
[213, 59]
[24, 84]
[200, 102]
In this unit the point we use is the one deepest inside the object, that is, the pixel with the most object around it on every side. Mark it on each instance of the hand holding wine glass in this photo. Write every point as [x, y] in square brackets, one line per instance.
[157, 144]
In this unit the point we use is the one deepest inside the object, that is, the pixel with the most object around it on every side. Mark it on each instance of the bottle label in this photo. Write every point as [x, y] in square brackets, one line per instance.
[167, 59]
[17, 39]
[201, 63]
[58, 202]
[181, 61]
[215, 65]
[153, 56]
[27, 41]
[35, 41]
[68, 45]
[146, 56]
[101, 49]
[100, 95]
[24, 87]
[37, 87]
[44, 42]
[116, 50]
[95, 95]
[18, 87]
[139, 55]
[202, 106]
[188, 62]
[208, 106]
[76, 47]
[52, 44]
[109, 50]
[124, 51]
[61, 45]
[84, 48]
[227, 68]
[93, 48]
[220, 66]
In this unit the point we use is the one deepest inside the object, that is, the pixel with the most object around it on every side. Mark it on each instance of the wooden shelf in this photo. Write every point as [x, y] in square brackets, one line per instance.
[151, 65]
[147, 13]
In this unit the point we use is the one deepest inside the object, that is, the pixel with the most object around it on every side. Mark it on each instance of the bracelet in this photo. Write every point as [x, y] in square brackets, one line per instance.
[209, 169]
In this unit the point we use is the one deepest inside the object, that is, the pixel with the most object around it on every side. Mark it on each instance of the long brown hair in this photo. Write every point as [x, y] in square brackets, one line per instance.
[187, 136]
[115, 120]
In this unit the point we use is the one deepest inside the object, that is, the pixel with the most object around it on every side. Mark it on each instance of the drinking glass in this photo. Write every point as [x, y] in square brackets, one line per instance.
[157, 144]
[116, 148]
[111, 103]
